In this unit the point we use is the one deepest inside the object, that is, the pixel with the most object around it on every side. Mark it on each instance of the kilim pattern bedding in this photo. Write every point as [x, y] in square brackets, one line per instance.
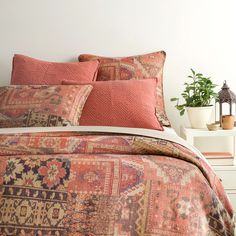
[89, 184]
[42, 105]
[137, 67]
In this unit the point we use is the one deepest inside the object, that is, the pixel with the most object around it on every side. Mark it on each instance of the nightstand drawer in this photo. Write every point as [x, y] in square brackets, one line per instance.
[228, 178]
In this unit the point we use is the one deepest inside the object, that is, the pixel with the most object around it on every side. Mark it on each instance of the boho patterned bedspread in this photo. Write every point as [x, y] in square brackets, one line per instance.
[107, 184]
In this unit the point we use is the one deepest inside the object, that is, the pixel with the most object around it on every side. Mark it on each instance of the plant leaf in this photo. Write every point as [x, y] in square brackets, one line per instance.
[174, 99]
[192, 71]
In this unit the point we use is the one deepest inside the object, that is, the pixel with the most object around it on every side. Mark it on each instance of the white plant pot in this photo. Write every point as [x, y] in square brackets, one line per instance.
[199, 116]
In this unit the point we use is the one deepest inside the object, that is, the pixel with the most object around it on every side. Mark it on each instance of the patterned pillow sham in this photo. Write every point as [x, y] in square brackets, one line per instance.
[29, 71]
[134, 67]
[42, 105]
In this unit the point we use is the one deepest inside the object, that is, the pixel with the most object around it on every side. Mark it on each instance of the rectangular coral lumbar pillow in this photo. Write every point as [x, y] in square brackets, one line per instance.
[28, 71]
[127, 103]
[134, 67]
[42, 106]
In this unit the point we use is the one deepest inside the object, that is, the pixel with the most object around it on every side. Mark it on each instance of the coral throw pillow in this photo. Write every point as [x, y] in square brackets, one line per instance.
[38, 106]
[128, 103]
[134, 67]
[27, 71]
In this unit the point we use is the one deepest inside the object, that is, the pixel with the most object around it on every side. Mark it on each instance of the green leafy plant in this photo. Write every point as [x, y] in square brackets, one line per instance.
[199, 93]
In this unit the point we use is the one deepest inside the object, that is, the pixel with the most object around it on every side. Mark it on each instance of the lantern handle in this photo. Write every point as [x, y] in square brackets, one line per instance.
[225, 86]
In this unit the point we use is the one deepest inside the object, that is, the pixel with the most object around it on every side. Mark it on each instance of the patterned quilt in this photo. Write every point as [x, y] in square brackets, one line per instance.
[92, 184]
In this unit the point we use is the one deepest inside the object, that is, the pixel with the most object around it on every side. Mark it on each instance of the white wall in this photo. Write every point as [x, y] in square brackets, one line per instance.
[195, 33]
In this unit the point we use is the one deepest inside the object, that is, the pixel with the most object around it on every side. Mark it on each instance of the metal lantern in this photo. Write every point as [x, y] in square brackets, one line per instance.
[225, 95]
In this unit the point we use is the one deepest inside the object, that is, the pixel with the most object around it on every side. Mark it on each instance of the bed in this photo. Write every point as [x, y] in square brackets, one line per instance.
[85, 157]
[107, 181]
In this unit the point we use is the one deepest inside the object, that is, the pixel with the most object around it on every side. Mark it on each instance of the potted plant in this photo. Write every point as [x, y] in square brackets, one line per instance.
[198, 96]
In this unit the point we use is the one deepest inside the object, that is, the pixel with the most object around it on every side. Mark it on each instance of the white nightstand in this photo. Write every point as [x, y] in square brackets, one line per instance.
[226, 172]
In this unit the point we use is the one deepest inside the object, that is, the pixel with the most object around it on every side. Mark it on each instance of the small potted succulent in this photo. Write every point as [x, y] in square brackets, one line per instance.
[198, 96]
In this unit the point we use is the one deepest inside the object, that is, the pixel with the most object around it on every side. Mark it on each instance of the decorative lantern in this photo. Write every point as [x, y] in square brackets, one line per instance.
[226, 96]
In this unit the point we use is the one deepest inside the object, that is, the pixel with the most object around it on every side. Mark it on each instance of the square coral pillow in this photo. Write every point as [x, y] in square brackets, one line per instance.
[38, 106]
[134, 67]
[124, 103]
[27, 71]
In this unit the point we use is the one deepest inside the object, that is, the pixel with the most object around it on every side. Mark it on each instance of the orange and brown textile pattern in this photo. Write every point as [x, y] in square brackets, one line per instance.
[134, 67]
[42, 105]
[94, 184]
